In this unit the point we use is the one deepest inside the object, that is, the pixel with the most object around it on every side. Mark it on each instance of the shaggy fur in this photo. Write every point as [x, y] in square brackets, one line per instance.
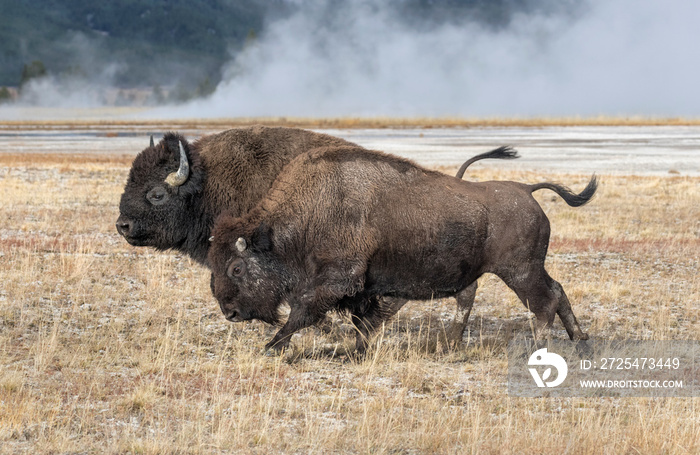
[229, 171]
[343, 226]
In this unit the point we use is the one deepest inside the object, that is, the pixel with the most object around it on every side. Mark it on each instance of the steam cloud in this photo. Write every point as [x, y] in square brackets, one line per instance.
[612, 57]
[86, 87]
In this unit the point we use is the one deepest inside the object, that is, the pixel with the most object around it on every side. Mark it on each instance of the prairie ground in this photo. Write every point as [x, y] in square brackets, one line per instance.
[106, 348]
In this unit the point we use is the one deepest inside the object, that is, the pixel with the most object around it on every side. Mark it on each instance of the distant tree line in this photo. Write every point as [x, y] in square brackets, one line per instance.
[33, 70]
[147, 42]
[5, 95]
[154, 95]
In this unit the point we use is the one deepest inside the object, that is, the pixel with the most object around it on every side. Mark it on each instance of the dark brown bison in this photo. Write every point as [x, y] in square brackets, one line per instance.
[175, 190]
[343, 226]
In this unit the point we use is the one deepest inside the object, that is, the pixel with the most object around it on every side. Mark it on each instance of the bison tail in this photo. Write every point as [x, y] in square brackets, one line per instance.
[502, 153]
[571, 198]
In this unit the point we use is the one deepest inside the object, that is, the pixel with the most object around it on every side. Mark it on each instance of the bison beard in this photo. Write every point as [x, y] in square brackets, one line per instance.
[342, 227]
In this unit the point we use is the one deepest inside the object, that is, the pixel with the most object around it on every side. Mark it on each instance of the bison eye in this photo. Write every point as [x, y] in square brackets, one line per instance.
[157, 195]
[236, 268]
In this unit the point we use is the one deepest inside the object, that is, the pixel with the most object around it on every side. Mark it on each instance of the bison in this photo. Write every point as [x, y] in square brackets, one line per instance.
[175, 189]
[343, 226]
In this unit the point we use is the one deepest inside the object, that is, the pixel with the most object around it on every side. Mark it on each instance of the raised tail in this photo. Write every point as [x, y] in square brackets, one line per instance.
[571, 198]
[502, 153]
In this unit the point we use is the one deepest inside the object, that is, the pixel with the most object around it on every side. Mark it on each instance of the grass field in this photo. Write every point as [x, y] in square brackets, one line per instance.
[106, 348]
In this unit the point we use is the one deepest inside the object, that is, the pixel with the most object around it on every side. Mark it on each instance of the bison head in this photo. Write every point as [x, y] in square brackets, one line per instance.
[160, 204]
[248, 280]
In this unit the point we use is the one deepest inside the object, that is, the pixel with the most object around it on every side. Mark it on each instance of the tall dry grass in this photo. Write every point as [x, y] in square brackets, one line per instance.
[105, 348]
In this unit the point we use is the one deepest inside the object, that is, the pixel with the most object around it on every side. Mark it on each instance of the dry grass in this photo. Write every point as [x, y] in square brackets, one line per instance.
[64, 161]
[105, 348]
[86, 119]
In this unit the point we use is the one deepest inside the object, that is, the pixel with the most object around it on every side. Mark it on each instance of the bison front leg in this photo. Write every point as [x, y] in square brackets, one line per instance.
[465, 302]
[326, 290]
[368, 313]
[299, 318]
[307, 310]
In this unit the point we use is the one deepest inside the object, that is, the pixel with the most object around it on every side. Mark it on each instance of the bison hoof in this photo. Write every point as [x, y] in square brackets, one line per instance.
[276, 348]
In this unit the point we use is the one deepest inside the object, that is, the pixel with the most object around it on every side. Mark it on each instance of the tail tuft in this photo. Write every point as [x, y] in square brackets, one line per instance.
[505, 152]
[571, 198]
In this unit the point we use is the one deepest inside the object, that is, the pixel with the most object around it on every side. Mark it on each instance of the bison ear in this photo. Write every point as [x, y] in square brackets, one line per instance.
[262, 238]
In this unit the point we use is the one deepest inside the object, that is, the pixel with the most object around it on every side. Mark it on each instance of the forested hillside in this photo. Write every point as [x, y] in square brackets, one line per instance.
[181, 47]
[149, 40]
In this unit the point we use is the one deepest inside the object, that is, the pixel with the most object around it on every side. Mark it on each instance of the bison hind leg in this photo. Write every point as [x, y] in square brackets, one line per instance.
[566, 314]
[545, 298]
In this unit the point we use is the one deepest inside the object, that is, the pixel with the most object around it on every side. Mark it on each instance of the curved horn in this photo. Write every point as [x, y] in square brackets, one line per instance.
[153, 144]
[241, 244]
[180, 177]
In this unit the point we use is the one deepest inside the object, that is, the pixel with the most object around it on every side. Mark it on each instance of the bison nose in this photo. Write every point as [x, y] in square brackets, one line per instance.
[233, 316]
[123, 226]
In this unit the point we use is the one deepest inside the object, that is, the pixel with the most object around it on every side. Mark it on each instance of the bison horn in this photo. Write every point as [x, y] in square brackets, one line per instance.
[241, 244]
[180, 177]
[153, 144]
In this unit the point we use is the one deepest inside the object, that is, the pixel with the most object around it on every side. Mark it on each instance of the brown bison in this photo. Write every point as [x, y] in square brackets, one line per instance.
[343, 226]
[175, 189]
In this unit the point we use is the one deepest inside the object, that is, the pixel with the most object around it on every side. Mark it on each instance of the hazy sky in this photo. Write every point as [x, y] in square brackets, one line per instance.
[612, 57]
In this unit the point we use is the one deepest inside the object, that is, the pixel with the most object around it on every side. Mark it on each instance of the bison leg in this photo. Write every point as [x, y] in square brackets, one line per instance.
[330, 290]
[391, 305]
[299, 318]
[546, 298]
[465, 302]
[343, 278]
[535, 291]
[566, 314]
[368, 313]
